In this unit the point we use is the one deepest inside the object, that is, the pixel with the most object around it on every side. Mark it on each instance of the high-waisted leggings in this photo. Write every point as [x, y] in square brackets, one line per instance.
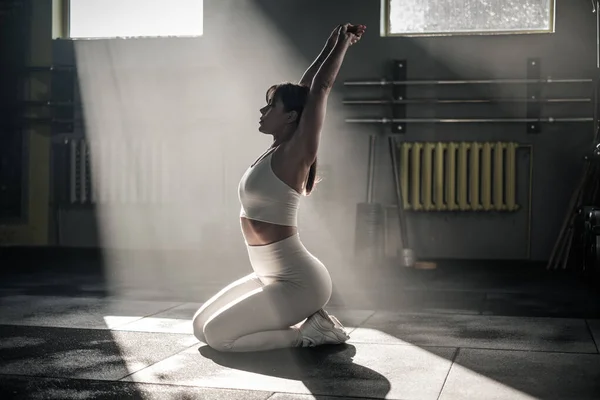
[258, 312]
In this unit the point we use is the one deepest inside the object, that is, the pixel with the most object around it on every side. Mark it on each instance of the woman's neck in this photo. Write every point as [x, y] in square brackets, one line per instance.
[284, 136]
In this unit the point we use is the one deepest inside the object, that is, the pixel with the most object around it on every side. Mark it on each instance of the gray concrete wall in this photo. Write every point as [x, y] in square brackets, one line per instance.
[210, 90]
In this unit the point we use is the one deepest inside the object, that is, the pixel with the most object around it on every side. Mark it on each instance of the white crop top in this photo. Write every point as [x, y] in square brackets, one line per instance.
[265, 197]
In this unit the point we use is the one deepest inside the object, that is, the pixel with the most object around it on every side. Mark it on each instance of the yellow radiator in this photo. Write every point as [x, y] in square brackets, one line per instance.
[466, 176]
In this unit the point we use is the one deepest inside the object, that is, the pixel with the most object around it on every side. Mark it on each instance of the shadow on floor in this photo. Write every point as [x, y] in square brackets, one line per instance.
[327, 369]
[547, 373]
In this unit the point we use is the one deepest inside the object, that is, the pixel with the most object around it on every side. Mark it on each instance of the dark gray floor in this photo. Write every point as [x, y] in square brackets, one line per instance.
[448, 334]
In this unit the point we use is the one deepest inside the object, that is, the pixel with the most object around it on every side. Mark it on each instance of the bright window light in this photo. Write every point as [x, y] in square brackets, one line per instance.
[449, 17]
[134, 18]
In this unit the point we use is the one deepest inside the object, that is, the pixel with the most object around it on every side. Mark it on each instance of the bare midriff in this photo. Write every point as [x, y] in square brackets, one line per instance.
[258, 233]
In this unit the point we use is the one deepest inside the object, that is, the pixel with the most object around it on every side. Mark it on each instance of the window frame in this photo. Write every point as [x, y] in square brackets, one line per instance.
[61, 24]
[386, 31]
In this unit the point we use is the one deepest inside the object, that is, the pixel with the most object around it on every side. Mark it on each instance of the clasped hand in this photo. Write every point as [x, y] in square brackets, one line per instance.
[349, 32]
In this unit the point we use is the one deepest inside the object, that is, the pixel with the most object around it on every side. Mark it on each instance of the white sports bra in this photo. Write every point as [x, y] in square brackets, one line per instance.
[265, 197]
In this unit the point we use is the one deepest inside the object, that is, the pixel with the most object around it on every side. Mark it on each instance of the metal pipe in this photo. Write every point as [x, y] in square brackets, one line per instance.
[50, 120]
[83, 149]
[50, 68]
[73, 176]
[51, 103]
[464, 120]
[408, 256]
[530, 200]
[597, 5]
[595, 128]
[371, 172]
[384, 82]
[399, 198]
[461, 101]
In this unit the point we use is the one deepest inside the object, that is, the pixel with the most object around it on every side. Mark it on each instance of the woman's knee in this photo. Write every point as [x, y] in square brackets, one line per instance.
[198, 325]
[216, 336]
[198, 330]
[211, 333]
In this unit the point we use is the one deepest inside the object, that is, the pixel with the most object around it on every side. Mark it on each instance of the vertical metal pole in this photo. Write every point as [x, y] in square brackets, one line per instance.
[597, 85]
[596, 124]
[407, 253]
[597, 3]
[371, 171]
[369, 217]
[399, 198]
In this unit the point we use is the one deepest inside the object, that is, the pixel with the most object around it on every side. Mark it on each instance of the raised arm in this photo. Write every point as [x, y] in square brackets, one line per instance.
[305, 142]
[310, 73]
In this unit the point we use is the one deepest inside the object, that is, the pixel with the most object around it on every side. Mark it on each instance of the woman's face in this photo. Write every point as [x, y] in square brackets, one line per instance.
[274, 117]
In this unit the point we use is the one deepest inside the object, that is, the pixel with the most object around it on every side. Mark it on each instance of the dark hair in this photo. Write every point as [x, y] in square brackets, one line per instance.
[294, 97]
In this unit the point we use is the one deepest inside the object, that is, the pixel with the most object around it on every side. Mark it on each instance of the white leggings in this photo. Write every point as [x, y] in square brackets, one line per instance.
[258, 312]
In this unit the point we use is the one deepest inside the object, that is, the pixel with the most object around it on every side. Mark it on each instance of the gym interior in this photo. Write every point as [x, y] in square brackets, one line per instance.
[457, 207]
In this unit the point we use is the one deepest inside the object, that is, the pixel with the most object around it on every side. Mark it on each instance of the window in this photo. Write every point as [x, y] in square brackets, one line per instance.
[452, 17]
[91, 19]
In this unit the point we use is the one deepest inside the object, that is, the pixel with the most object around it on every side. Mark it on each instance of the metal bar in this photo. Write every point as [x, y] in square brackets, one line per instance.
[438, 173]
[50, 68]
[50, 120]
[83, 149]
[404, 244]
[498, 198]
[93, 150]
[384, 82]
[73, 144]
[426, 176]
[461, 101]
[465, 120]
[474, 173]
[371, 172]
[511, 177]
[462, 174]
[597, 5]
[51, 103]
[530, 200]
[415, 176]
[451, 176]
[595, 110]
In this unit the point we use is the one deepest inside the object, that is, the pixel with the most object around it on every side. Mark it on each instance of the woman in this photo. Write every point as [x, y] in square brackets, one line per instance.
[264, 310]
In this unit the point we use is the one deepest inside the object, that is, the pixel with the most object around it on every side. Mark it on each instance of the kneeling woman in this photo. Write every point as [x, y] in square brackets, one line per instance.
[266, 309]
